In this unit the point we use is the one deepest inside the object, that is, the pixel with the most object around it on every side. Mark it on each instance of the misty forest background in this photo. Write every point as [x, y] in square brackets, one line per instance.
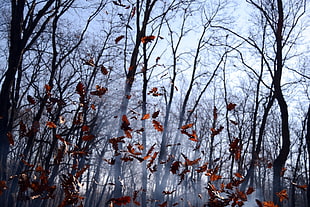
[154, 103]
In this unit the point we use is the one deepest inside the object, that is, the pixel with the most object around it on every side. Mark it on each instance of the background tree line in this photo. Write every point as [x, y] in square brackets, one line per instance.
[154, 103]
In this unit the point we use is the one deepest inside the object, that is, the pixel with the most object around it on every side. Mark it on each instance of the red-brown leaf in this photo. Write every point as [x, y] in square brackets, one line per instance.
[187, 126]
[80, 88]
[155, 114]
[10, 138]
[104, 70]
[158, 126]
[119, 38]
[282, 195]
[231, 106]
[31, 100]
[51, 125]
[88, 137]
[122, 200]
[147, 39]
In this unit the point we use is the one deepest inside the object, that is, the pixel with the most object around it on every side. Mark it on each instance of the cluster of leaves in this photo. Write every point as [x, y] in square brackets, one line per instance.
[70, 184]
[34, 184]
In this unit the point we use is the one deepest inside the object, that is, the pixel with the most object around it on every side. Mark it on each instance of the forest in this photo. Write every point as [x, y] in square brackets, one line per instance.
[186, 103]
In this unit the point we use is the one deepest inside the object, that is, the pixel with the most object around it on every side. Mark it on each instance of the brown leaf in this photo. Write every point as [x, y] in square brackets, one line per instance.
[216, 131]
[175, 167]
[31, 100]
[88, 137]
[158, 126]
[303, 187]
[3, 186]
[147, 39]
[187, 126]
[155, 114]
[119, 38]
[269, 204]
[85, 128]
[282, 195]
[250, 191]
[104, 70]
[168, 192]
[89, 62]
[10, 138]
[164, 204]
[51, 125]
[121, 201]
[215, 177]
[231, 106]
[238, 175]
[80, 88]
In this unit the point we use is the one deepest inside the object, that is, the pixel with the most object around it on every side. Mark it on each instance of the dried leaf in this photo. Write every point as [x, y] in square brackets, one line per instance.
[187, 126]
[51, 125]
[10, 138]
[119, 38]
[3, 186]
[250, 191]
[85, 128]
[147, 39]
[158, 126]
[104, 70]
[269, 204]
[121, 201]
[164, 204]
[31, 100]
[175, 167]
[168, 192]
[146, 116]
[238, 175]
[303, 187]
[282, 195]
[80, 88]
[88, 137]
[231, 106]
[155, 114]
[215, 177]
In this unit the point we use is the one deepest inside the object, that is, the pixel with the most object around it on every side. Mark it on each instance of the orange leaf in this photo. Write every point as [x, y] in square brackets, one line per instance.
[48, 88]
[146, 116]
[187, 126]
[119, 38]
[147, 39]
[215, 177]
[51, 125]
[269, 204]
[303, 187]
[282, 195]
[238, 175]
